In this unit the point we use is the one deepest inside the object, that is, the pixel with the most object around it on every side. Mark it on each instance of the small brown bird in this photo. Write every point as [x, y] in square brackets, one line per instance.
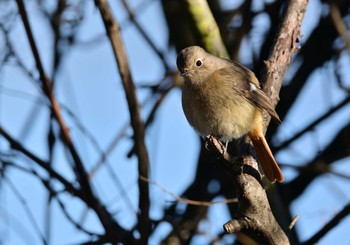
[223, 98]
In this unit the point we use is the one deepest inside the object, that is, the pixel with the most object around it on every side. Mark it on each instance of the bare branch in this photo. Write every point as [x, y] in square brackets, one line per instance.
[105, 217]
[339, 23]
[205, 27]
[145, 35]
[330, 225]
[312, 125]
[46, 86]
[337, 149]
[100, 210]
[323, 31]
[283, 48]
[252, 197]
[17, 146]
[53, 194]
[112, 29]
[188, 201]
[254, 210]
[26, 208]
[294, 221]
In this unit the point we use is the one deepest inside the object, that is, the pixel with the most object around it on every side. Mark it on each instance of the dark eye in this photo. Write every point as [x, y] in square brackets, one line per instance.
[199, 63]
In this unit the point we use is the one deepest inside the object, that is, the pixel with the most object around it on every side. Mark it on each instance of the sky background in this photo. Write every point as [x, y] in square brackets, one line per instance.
[88, 84]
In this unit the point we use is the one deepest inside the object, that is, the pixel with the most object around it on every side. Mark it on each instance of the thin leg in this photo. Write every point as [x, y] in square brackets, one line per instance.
[226, 145]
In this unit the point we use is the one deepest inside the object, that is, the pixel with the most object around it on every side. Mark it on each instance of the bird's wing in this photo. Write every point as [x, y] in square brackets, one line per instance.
[245, 83]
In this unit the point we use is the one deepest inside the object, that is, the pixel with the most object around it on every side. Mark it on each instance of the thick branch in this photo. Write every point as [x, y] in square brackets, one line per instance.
[254, 212]
[112, 29]
[205, 27]
[254, 215]
[283, 48]
[325, 32]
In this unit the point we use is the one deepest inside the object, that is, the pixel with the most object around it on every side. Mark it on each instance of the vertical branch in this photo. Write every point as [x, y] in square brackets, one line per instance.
[283, 47]
[254, 214]
[339, 24]
[112, 29]
[46, 87]
[206, 27]
[143, 33]
[109, 224]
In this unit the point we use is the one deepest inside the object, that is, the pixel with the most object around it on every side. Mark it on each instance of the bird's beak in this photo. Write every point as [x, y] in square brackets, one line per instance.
[184, 72]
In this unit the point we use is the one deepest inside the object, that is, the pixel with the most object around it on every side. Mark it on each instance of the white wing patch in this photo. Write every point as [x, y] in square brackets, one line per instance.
[252, 87]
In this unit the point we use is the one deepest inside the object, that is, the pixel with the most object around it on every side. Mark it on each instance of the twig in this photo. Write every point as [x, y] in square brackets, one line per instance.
[313, 124]
[46, 87]
[103, 159]
[153, 111]
[105, 217]
[85, 131]
[330, 225]
[339, 79]
[64, 209]
[26, 208]
[20, 229]
[145, 35]
[339, 23]
[317, 167]
[188, 201]
[53, 194]
[295, 219]
[100, 210]
[112, 29]
[17, 146]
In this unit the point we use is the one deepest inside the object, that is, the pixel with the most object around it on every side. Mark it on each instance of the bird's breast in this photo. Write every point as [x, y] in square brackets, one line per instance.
[215, 109]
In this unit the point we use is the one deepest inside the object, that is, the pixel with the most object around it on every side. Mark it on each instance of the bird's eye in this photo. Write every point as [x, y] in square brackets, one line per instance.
[198, 63]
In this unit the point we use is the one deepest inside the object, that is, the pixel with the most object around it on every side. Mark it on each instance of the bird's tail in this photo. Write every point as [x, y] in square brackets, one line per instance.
[266, 158]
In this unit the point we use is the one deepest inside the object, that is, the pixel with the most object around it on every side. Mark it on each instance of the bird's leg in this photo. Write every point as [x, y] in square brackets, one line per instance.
[226, 146]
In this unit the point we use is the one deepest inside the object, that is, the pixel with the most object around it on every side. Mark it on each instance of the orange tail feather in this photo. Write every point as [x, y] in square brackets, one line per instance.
[266, 158]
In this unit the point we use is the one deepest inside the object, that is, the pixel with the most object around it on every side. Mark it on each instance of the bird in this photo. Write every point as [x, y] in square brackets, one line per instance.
[223, 98]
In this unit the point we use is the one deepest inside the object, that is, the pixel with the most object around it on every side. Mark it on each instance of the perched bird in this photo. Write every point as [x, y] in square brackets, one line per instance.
[223, 98]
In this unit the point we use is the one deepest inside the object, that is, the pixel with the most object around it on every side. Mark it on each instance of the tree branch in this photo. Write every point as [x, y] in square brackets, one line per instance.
[254, 213]
[188, 201]
[105, 217]
[339, 24]
[330, 225]
[31, 217]
[112, 29]
[337, 149]
[47, 89]
[17, 146]
[313, 124]
[143, 33]
[325, 32]
[205, 27]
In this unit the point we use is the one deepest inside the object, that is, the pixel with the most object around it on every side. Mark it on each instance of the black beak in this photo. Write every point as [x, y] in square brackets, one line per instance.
[184, 72]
